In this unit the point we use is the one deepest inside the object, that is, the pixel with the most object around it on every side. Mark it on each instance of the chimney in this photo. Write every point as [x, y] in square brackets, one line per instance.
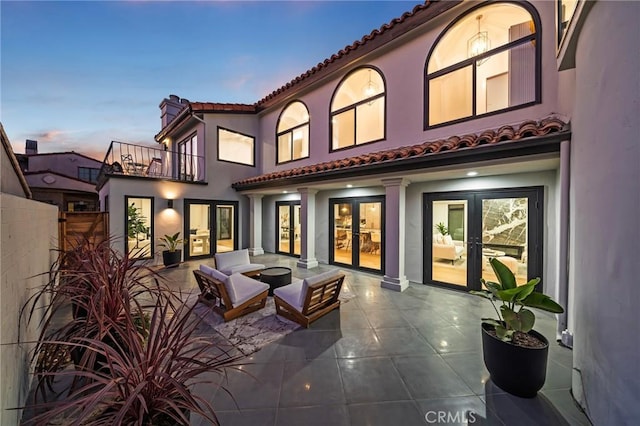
[31, 147]
[169, 109]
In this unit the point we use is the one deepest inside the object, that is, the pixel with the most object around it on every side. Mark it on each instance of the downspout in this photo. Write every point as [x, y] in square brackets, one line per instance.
[563, 249]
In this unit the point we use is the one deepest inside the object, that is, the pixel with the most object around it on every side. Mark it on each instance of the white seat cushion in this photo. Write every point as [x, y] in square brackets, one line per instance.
[243, 288]
[291, 294]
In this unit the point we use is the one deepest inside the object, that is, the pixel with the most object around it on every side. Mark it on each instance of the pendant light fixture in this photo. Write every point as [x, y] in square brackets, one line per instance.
[479, 43]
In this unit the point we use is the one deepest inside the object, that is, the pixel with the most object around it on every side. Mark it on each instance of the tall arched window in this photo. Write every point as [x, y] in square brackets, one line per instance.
[486, 61]
[358, 109]
[292, 133]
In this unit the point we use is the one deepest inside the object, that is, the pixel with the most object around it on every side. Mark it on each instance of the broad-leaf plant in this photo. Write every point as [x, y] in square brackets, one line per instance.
[513, 314]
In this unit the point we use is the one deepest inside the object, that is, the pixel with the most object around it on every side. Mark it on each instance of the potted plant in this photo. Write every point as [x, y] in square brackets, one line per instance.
[441, 228]
[514, 353]
[172, 255]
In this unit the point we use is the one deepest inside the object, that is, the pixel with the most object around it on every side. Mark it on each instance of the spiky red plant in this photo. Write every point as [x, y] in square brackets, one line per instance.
[151, 382]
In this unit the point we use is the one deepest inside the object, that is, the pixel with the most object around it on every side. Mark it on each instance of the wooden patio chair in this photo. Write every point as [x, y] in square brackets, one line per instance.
[304, 301]
[232, 297]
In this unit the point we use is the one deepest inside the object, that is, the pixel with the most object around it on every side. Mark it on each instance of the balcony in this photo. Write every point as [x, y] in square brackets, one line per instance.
[125, 159]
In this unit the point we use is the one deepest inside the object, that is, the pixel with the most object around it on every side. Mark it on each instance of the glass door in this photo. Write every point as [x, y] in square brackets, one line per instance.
[466, 229]
[288, 227]
[210, 226]
[358, 235]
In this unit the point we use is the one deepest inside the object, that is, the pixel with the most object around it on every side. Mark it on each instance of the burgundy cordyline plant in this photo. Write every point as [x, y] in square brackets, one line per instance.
[135, 345]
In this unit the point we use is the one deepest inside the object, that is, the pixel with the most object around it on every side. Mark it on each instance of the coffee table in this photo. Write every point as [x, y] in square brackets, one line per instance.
[276, 276]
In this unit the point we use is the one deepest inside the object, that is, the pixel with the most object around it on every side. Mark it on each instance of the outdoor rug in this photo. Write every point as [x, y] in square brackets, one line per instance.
[251, 332]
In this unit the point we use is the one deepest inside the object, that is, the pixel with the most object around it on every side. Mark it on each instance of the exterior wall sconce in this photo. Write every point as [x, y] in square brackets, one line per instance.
[169, 203]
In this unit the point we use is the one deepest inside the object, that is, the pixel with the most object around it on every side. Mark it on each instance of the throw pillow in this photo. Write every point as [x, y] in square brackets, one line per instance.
[448, 240]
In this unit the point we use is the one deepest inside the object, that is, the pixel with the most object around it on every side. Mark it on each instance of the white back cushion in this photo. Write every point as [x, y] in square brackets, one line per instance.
[314, 280]
[448, 240]
[220, 277]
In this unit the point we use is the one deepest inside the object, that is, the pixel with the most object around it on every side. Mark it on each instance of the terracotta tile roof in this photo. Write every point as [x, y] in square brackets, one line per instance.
[218, 107]
[211, 107]
[505, 134]
[421, 13]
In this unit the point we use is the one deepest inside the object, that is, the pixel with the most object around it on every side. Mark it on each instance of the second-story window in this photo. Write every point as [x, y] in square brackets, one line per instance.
[188, 158]
[486, 61]
[293, 133]
[235, 147]
[358, 110]
[88, 174]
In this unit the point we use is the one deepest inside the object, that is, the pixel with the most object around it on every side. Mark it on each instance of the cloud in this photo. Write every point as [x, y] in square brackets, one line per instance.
[50, 135]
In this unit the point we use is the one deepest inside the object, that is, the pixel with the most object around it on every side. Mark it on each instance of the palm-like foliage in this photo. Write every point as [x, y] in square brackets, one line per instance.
[146, 381]
[513, 315]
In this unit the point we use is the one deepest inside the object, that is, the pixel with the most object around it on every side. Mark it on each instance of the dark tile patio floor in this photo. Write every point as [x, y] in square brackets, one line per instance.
[384, 358]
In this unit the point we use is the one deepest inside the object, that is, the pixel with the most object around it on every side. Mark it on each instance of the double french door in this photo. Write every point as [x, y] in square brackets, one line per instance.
[210, 227]
[463, 230]
[288, 227]
[357, 239]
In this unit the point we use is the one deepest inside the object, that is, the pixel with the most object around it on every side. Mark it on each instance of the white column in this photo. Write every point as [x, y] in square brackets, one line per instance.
[307, 228]
[395, 195]
[255, 224]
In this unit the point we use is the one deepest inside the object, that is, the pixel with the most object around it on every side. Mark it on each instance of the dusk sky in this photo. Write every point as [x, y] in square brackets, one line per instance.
[77, 75]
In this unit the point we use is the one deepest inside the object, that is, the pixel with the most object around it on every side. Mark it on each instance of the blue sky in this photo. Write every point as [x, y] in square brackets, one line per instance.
[76, 75]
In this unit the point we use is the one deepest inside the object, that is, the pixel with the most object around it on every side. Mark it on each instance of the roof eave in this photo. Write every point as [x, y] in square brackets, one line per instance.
[534, 145]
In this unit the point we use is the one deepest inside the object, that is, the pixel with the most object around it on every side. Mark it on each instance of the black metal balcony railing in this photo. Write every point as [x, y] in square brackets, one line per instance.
[125, 159]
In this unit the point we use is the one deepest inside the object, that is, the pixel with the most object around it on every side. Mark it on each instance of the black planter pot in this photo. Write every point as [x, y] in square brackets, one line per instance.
[515, 369]
[171, 258]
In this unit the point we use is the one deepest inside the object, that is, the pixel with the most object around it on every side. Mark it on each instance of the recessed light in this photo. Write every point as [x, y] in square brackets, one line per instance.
[349, 186]
[472, 173]
[285, 192]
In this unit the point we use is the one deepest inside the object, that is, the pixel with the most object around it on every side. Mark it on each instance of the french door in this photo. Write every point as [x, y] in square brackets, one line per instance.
[463, 230]
[357, 238]
[288, 227]
[210, 227]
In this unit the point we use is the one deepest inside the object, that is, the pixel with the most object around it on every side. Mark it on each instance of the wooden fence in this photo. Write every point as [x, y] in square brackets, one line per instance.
[77, 226]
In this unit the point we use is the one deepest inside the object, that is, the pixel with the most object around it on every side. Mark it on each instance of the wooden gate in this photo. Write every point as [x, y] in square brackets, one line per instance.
[78, 226]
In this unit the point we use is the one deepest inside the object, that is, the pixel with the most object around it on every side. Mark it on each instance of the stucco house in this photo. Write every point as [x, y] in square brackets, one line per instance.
[66, 179]
[499, 129]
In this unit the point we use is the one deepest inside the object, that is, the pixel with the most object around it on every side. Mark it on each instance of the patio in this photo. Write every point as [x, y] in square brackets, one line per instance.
[384, 358]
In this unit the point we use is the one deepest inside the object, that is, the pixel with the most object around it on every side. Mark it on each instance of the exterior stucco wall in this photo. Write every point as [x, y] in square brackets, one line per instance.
[10, 183]
[604, 214]
[168, 221]
[414, 217]
[403, 66]
[28, 233]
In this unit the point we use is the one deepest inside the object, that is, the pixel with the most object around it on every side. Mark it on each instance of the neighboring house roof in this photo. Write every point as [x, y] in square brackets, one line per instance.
[417, 156]
[377, 38]
[51, 172]
[66, 153]
[6, 145]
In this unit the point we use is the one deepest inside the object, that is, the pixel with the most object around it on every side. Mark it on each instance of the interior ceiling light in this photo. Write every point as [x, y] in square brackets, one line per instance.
[472, 173]
[479, 43]
[349, 186]
[370, 88]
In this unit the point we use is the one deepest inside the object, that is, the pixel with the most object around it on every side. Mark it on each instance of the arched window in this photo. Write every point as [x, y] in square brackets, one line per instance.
[486, 61]
[358, 109]
[292, 133]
